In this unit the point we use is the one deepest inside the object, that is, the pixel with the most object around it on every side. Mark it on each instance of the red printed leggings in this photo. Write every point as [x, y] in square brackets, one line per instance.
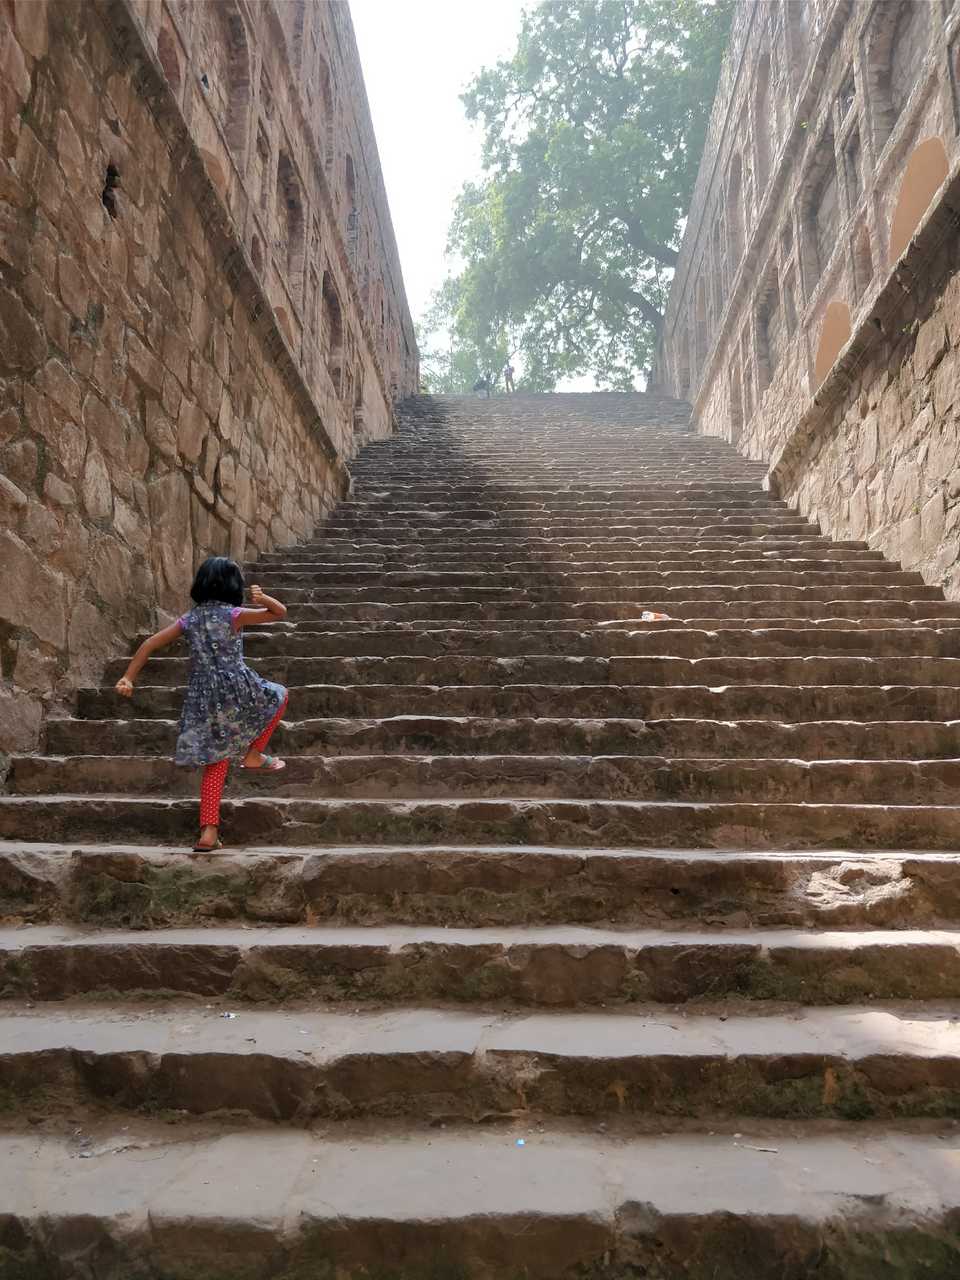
[215, 775]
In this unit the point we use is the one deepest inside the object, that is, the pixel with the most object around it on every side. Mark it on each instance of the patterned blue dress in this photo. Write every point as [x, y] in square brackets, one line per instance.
[227, 705]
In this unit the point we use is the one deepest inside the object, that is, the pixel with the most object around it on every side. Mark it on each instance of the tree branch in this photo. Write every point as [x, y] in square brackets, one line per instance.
[638, 239]
[645, 307]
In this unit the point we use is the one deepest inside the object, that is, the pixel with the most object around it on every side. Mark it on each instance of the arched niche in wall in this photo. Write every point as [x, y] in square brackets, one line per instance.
[924, 175]
[223, 64]
[215, 170]
[293, 13]
[325, 126]
[897, 39]
[736, 406]
[735, 212]
[290, 223]
[168, 52]
[763, 123]
[862, 260]
[683, 366]
[834, 336]
[283, 320]
[332, 330]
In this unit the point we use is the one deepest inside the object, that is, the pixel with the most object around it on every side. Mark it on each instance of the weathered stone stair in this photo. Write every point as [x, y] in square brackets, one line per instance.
[568, 945]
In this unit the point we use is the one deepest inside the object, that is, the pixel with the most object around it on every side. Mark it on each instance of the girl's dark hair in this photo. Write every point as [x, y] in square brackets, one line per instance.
[218, 579]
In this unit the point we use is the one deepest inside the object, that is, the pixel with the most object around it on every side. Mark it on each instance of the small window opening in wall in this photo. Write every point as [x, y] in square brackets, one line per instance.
[205, 81]
[109, 194]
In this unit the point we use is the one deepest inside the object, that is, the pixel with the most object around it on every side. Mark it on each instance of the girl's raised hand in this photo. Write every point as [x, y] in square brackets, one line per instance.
[124, 687]
[257, 598]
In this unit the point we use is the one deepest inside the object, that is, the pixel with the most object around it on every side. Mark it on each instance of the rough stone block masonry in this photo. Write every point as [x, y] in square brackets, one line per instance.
[201, 310]
[815, 315]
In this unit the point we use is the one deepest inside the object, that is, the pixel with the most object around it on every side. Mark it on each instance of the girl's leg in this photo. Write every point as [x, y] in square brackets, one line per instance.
[211, 789]
[259, 743]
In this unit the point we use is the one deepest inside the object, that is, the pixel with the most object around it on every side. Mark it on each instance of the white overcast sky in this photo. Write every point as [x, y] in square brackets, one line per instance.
[417, 58]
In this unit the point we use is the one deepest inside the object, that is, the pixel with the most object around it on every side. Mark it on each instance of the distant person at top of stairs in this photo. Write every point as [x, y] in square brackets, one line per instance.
[508, 372]
[229, 712]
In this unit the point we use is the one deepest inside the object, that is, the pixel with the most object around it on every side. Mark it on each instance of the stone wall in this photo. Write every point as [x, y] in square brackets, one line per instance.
[833, 141]
[877, 457]
[201, 311]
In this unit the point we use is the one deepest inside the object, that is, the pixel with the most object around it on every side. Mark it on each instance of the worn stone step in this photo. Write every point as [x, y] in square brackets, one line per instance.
[382, 560]
[322, 623]
[546, 578]
[551, 777]
[923, 612]
[425, 490]
[651, 669]
[540, 547]
[676, 641]
[681, 521]
[566, 599]
[781, 702]
[472, 1203]
[438, 1064]
[135, 886]
[570, 526]
[275, 819]
[396, 507]
[451, 735]
[661, 597]
[562, 965]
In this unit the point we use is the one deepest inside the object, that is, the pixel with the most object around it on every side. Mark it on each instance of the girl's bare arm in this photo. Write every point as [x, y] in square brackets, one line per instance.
[265, 609]
[162, 638]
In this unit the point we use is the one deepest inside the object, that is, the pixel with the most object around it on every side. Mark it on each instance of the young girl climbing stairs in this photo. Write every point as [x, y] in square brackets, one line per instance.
[229, 712]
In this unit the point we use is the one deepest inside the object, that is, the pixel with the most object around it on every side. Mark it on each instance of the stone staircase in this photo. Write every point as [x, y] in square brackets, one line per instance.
[567, 946]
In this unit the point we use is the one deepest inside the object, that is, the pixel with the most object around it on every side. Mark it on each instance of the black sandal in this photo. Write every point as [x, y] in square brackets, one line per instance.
[208, 848]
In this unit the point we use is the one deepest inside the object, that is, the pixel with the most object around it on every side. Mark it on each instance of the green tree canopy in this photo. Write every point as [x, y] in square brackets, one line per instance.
[593, 133]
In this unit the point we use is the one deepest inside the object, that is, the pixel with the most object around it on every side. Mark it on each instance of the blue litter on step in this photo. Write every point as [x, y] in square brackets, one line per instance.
[521, 1142]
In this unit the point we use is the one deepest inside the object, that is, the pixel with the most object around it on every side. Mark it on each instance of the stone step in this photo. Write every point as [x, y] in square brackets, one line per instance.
[569, 548]
[611, 612]
[732, 496]
[418, 488]
[561, 598]
[139, 887]
[338, 559]
[486, 777]
[541, 735]
[547, 577]
[781, 702]
[271, 819]
[397, 505]
[557, 669]
[473, 1202]
[676, 641]
[303, 1066]
[569, 526]
[556, 966]
[677, 521]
